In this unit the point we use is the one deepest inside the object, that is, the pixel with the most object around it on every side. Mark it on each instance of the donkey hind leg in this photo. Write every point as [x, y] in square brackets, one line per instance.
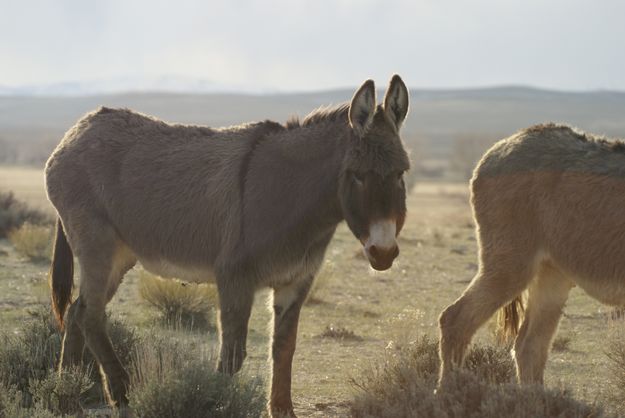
[235, 307]
[547, 295]
[501, 278]
[287, 303]
[101, 264]
[73, 347]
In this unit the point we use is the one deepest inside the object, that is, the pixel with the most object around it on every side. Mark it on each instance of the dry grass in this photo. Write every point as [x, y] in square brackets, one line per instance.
[561, 343]
[179, 303]
[426, 277]
[616, 354]
[404, 386]
[32, 241]
[401, 326]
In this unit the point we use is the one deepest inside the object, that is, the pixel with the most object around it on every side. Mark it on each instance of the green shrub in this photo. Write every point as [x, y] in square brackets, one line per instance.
[28, 362]
[11, 406]
[404, 386]
[14, 213]
[10, 402]
[32, 241]
[61, 393]
[168, 379]
[491, 364]
[179, 303]
[125, 340]
[29, 355]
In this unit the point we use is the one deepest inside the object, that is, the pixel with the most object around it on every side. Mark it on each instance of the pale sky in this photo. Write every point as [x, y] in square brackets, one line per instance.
[287, 45]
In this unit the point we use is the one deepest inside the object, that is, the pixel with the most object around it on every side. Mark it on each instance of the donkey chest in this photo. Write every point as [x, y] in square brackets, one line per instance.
[284, 272]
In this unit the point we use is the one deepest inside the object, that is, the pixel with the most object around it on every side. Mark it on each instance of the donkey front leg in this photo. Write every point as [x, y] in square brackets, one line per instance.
[287, 303]
[235, 307]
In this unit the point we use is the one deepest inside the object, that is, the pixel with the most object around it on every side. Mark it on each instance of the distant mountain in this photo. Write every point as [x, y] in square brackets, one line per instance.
[437, 117]
[167, 83]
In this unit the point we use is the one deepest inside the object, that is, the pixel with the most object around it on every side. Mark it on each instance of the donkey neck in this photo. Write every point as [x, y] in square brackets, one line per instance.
[290, 189]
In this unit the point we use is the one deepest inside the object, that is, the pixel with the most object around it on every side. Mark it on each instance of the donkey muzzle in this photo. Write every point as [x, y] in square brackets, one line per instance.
[381, 247]
[381, 258]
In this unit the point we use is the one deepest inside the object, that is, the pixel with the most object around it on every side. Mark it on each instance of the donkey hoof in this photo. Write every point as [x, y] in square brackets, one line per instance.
[281, 413]
[231, 361]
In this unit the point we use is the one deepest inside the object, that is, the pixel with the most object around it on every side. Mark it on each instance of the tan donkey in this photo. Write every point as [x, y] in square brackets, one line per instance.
[249, 206]
[548, 204]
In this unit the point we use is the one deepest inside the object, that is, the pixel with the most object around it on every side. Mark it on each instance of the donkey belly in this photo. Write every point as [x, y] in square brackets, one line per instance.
[607, 291]
[170, 270]
[602, 279]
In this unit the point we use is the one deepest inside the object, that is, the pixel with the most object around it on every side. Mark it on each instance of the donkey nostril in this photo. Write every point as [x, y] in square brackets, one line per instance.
[373, 251]
[395, 252]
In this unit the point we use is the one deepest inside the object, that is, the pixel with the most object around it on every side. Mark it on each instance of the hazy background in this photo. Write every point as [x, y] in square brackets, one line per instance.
[478, 70]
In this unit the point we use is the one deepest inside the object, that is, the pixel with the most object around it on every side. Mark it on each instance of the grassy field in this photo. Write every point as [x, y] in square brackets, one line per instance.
[27, 184]
[385, 310]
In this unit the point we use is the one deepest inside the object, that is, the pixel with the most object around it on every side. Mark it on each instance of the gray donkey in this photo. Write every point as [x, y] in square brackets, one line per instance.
[248, 206]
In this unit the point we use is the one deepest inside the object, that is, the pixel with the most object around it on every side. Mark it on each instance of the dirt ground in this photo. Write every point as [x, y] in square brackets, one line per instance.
[380, 311]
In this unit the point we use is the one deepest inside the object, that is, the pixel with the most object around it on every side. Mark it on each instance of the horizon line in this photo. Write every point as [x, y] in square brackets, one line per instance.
[14, 92]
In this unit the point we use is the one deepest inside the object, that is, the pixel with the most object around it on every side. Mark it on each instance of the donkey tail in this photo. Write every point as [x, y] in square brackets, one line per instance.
[61, 275]
[509, 319]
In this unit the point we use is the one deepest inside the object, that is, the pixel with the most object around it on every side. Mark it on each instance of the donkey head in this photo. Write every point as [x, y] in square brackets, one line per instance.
[371, 185]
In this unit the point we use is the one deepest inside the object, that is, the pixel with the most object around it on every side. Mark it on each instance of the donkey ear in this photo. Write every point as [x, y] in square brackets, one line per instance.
[362, 108]
[396, 101]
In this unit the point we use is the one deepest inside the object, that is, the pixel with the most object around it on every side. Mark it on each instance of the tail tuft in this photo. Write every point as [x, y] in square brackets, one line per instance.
[61, 275]
[509, 320]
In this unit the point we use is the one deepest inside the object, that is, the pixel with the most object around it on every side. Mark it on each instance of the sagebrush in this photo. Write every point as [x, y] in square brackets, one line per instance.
[404, 386]
[28, 361]
[32, 241]
[171, 380]
[169, 377]
[561, 343]
[340, 333]
[187, 304]
[14, 213]
[30, 355]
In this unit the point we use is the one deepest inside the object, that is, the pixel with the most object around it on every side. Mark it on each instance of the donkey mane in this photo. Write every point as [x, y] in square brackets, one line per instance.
[321, 114]
[609, 144]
